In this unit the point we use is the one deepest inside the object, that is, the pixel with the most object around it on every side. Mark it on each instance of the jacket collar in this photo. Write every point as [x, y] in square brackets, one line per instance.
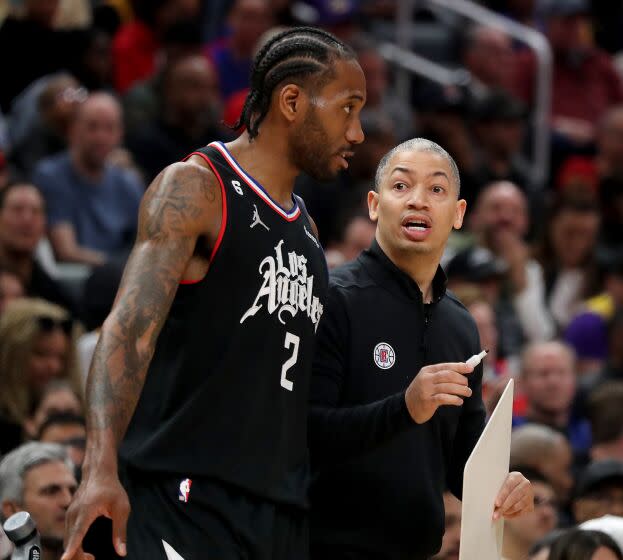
[388, 275]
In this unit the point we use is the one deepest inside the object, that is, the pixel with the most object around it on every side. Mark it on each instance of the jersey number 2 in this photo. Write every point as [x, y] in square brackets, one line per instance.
[291, 340]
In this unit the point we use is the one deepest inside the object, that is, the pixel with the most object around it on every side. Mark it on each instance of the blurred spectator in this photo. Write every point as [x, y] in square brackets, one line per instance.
[11, 287]
[441, 112]
[92, 204]
[4, 139]
[585, 83]
[189, 116]
[587, 334]
[498, 128]
[381, 100]
[610, 165]
[577, 179]
[605, 414]
[610, 265]
[95, 67]
[142, 103]
[500, 222]
[522, 533]
[36, 346]
[613, 370]
[497, 370]
[477, 268]
[522, 11]
[548, 381]
[4, 170]
[451, 541]
[68, 430]
[22, 225]
[612, 525]
[488, 56]
[41, 119]
[136, 44]
[42, 49]
[547, 451]
[232, 56]
[599, 491]
[57, 397]
[567, 257]
[38, 478]
[540, 549]
[585, 545]
[358, 236]
[99, 294]
[73, 14]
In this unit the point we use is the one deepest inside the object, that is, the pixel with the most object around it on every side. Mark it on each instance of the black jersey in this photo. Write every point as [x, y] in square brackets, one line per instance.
[226, 391]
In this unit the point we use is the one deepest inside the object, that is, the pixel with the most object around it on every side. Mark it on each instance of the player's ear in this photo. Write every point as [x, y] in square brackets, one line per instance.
[291, 101]
[373, 205]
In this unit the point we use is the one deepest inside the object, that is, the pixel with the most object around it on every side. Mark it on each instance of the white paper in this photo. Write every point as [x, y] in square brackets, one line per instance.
[485, 472]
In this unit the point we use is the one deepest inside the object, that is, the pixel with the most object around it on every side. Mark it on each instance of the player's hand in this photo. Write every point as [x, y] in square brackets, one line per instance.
[515, 498]
[436, 385]
[98, 494]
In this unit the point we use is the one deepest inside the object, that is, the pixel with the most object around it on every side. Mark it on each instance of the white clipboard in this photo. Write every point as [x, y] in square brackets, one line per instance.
[484, 474]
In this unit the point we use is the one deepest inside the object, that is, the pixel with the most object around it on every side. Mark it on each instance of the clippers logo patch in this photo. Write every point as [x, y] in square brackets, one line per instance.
[184, 492]
[384, 355]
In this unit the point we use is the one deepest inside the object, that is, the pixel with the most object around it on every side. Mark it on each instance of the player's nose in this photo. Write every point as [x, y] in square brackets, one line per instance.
[354, 132]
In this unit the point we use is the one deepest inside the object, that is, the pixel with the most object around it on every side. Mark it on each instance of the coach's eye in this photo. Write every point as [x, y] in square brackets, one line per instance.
[400, 186]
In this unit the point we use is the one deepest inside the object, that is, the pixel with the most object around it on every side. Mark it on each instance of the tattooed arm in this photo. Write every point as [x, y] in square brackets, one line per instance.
[183, 203]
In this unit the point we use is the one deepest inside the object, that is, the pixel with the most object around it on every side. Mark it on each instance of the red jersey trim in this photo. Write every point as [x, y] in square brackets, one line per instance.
[221, 231]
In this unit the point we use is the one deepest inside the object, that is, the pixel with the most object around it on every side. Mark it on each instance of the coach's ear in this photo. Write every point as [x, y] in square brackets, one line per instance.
[373, 205]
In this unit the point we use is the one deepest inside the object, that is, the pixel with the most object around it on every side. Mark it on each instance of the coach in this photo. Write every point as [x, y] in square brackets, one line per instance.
[395, 410]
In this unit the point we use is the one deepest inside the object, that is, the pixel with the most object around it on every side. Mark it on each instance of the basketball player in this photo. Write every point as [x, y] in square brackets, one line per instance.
[200, 375]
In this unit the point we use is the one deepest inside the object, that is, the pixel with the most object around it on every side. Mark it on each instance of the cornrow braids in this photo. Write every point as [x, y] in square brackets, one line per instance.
[294, 54]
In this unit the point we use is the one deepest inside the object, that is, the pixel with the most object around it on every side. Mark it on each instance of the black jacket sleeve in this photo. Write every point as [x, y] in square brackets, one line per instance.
[338, 433]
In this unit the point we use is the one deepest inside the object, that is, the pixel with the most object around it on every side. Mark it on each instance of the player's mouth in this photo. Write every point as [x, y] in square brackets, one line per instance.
[344, 156]
[416, 228]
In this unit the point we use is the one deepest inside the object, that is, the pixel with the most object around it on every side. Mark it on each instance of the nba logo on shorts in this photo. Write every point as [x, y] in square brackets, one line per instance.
[384, 355]
[184, 491]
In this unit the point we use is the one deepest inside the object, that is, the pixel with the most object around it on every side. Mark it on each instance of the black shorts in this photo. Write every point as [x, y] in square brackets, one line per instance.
[201, 519]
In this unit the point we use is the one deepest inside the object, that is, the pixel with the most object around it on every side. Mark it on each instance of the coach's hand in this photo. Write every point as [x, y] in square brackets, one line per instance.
[515, 498]
[436, 385]
[100, 494]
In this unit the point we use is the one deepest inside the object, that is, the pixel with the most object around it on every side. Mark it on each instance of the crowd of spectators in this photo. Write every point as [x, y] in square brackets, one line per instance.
[97, 96]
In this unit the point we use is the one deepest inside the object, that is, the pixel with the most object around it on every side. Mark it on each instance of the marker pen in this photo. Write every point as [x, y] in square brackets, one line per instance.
[477, 358]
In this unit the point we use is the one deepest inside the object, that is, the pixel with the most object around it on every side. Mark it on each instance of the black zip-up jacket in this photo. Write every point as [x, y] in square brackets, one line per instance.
[378, 477]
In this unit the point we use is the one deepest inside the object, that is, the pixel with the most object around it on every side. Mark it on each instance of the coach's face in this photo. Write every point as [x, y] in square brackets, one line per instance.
[416, 206]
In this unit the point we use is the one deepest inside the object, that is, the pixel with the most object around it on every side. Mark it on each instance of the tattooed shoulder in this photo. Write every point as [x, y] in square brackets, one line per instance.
[185, 198]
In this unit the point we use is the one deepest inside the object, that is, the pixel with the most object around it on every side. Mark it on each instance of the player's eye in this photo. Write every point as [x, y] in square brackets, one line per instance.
[348, 109]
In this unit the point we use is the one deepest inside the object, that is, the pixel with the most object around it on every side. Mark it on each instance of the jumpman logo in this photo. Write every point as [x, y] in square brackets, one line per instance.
[256, 219]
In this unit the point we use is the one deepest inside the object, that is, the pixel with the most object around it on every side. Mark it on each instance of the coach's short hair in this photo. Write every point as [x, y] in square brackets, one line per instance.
[417, 145]
[18, 462]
